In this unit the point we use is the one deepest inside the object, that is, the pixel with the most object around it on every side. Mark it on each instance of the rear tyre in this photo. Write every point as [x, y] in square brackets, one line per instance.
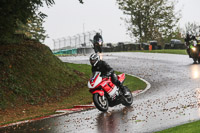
[101, 102]
[128, 100]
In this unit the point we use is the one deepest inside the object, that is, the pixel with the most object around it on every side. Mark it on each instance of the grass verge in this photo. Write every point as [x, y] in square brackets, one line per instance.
[169, 51]
[193, 127]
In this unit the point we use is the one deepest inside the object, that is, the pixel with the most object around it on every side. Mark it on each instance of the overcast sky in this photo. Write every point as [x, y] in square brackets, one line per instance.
[68, 18]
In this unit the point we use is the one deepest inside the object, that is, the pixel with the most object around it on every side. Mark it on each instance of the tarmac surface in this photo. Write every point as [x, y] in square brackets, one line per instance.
[173, 99]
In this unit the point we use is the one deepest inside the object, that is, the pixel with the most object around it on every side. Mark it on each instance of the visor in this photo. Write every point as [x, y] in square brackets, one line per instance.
[92, 62]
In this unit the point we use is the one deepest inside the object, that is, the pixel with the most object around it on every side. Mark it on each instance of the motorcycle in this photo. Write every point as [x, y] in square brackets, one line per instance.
[106, 94]
[97, 45]
[195, 50]
[100, 42]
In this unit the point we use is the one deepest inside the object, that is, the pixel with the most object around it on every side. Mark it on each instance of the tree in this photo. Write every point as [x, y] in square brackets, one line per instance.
[81, 1]
[192, 28]
[178, 33]
[149, 19]
[15, 11]
[33, 29]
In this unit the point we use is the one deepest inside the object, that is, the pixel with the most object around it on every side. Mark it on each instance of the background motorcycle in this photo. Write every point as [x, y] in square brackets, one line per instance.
[97, 44]
[106, 94]
[100, 42]
[195, 51]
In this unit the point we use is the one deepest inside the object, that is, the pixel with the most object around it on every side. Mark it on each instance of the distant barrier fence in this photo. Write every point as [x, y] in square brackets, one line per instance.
[74, 51]
[80, 44]
[118, 48]
[87, 50]
[74, 42]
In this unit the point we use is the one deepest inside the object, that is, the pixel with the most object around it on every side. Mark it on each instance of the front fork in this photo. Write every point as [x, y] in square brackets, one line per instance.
[103, 97]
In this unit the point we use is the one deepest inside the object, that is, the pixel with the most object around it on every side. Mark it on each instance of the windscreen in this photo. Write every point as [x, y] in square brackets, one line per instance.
[94, 75]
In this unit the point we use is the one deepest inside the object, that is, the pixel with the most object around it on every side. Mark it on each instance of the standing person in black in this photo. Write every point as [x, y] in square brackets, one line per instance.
[98, 42]
[106, 70]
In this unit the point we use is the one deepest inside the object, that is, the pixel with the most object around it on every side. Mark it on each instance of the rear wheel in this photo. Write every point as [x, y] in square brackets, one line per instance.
[128, 100]
[101, 102]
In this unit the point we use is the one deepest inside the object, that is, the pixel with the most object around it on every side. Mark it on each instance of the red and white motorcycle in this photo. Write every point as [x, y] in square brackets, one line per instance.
[106, 94]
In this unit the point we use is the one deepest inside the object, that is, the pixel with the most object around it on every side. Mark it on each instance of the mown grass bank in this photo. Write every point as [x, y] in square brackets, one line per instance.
[34, 82]
[30, 73]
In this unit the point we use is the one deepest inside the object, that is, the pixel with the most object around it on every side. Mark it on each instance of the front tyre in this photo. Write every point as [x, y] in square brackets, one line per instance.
[101, 102]
[199, 60]
[128, 100]
[195, 60]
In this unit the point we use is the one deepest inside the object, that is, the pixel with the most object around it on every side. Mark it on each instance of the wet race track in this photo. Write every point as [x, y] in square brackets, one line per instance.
[173, 99]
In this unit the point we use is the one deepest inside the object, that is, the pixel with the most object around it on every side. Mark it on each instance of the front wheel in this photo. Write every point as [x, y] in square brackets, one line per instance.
[128, 100]
[195, 60]
[101, 102]
[199, 60]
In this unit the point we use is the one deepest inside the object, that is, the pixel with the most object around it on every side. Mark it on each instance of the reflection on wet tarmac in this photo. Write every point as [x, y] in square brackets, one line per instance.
[111, 122]
[195, 71]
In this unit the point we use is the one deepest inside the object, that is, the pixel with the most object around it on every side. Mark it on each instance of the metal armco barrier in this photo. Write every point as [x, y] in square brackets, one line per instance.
[67, 51]
[85, 50]
[74, 51]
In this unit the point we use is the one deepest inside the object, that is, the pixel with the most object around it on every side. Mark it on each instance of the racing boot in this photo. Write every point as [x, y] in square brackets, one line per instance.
[119, 85]
[124, 91]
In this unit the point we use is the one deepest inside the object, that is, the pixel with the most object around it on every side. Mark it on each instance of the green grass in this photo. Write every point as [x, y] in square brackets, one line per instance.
[31, 74]
[169, 51]
[193, 127]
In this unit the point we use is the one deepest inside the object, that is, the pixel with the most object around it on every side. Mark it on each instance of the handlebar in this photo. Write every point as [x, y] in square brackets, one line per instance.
[106, 76]
[91, 41]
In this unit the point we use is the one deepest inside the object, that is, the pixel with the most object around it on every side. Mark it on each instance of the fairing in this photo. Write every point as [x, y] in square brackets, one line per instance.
[95, 80]
[97, 83]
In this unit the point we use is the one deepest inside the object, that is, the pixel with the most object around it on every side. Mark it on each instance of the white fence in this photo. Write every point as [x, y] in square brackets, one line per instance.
[76, 41]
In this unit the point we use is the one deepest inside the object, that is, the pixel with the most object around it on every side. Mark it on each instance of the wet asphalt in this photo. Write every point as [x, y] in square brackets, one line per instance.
[173, 99]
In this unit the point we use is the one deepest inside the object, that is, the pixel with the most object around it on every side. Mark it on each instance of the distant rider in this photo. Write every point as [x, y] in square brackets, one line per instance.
[187, 43]
[97, 46]
[106, 70]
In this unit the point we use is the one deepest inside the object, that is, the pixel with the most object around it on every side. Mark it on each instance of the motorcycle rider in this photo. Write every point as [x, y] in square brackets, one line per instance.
[97, 46]
[96, 39]
[187, 43]
[106, 70]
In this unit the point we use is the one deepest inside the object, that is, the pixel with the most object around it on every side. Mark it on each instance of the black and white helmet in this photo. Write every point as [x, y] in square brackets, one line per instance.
[94, 59]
